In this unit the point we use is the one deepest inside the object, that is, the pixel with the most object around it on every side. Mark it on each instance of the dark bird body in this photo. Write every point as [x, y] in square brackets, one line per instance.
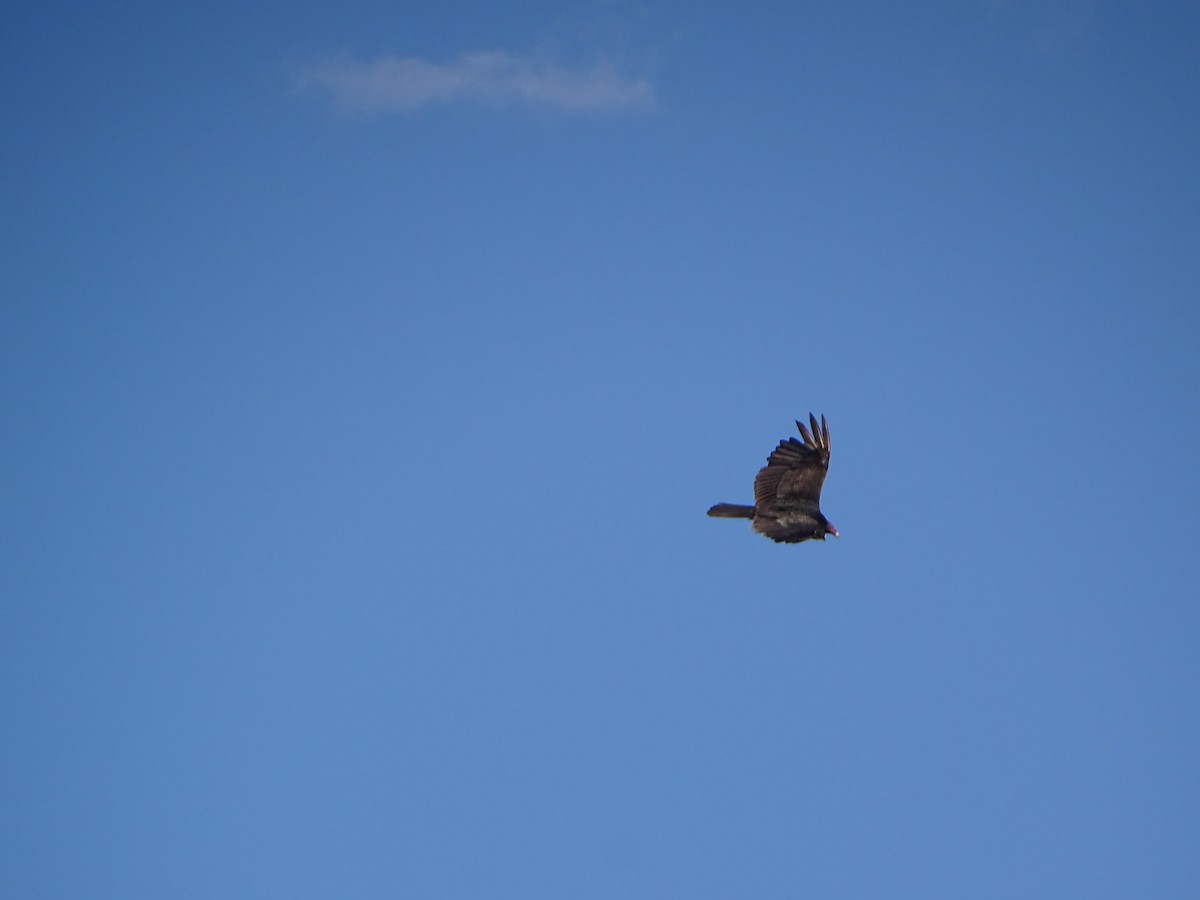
[787, 490]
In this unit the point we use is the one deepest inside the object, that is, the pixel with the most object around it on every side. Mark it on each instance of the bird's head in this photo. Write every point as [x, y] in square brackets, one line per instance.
[826, 527]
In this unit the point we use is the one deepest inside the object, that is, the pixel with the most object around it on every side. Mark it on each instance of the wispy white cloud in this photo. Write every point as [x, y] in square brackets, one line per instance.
[401, 84]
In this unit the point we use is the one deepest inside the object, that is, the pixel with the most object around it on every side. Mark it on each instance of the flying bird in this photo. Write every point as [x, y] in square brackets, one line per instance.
[787, 490]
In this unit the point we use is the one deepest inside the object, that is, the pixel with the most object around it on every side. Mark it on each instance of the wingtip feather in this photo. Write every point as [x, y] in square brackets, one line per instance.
[809, 441]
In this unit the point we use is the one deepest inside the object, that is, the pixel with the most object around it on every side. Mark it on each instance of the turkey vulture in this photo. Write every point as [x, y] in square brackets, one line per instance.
[787, 490]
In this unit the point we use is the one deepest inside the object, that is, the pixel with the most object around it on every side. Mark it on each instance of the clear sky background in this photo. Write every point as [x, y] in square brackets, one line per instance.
[368, 368]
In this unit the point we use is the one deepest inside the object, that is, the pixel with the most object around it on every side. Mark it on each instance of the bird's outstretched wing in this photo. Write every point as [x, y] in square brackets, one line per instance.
[795, 471]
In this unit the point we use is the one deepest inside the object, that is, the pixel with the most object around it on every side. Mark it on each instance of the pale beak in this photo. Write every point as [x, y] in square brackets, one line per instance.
[829, 528]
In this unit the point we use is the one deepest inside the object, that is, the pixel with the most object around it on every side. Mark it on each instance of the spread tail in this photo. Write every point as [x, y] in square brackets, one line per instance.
[731, 511]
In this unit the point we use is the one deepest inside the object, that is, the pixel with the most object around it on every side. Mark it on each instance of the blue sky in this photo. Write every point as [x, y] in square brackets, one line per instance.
[367, 370]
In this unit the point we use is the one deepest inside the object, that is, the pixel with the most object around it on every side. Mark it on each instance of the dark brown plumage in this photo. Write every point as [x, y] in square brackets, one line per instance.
[787, 490]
